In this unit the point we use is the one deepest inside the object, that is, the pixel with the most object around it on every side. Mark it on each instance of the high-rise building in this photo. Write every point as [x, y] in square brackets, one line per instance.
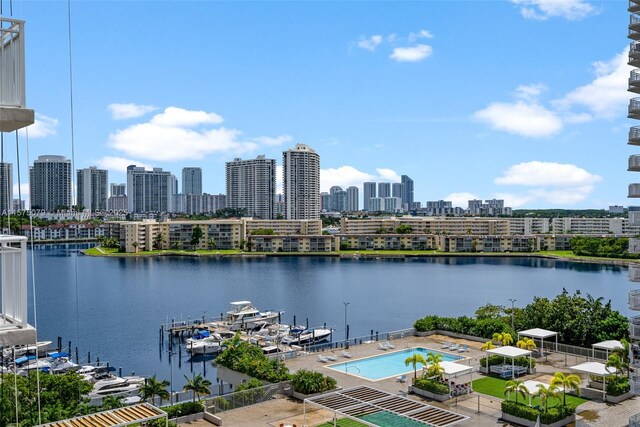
[6, 188]
[384, 189]
[92, 188]
[369, 191]
[192, 181]
[118, 190]
[301, 178]
[251, 185]
[325, 201]
[50, 183]
[336, 204]
[396, 189]
[150, 190]
[352, 199]
[407, 191]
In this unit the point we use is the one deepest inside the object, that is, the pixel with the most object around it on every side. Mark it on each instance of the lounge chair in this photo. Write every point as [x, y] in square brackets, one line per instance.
[401, 379]
[346, 354]
[463, 348]
[446, 345]
[389, 345]
[322, 359]
[332, 358]
[382, 347]
[454, 347]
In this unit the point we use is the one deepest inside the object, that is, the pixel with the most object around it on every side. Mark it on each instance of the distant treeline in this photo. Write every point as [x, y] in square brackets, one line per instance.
[608, 247]
[565, 213]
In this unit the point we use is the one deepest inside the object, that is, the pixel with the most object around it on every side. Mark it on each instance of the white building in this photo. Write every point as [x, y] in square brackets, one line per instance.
[301, 177]
[150, 191]
[251, 185]
[50, 183]
[92, 188]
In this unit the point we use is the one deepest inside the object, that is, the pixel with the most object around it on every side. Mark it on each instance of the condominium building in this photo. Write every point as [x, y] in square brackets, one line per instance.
[192, 181]
[92, 188]
[6, 188]
[251, 185]
[397, 189]
[353, 199]
[118, 189]
[150, 190]
[368, 191]
[301, 177]
[407, 191]
[50, 183]
[384, 189]
[192, 204]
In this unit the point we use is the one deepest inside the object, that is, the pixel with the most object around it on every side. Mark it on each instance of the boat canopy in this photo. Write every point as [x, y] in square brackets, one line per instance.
[23, 359]
[58, 354]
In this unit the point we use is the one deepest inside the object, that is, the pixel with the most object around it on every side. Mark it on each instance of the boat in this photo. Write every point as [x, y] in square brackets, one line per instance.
[115, 386]
[61, 362]
[308, 337]
[203, 342]
[243, 315]
[22, 350]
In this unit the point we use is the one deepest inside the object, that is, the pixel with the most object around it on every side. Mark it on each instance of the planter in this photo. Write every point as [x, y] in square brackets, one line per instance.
[188, 418]
[618, 399]
[596, 384]
[429, 395]
[213, 419]
[528, 423]
[484, 369]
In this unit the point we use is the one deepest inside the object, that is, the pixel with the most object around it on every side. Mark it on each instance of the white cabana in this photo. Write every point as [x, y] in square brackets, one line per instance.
[510, 352]
[453, 370]
[605, 345]
[540, 334]
[595, 368]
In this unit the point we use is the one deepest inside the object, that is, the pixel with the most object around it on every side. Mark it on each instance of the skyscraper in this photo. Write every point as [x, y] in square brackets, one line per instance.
[396, 189]
[384, 189]
[118, 189]
[407, 191]
[301, 177]
[6, 188]
[369, 191]
[92, 188]
[251, 185]
[192, 181]
[352, 199]
[50, 183]
[150, 191]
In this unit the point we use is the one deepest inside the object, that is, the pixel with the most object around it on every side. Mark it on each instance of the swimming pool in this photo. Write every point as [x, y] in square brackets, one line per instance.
[387, 365]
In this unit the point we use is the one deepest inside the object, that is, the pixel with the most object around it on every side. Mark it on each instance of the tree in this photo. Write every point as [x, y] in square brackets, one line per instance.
[615, 362]
[158, 241]
[404, 229]
[135, 246]
[414, 360]
[623, 355]
[211, 244]
[490, 311]
[526, 343]
[153, 388]
[517, 387]
[196, 236]
[545, 393]
[198, 386]
[488, 346]
[433, 362]
[505, 338]
[112, 402]
[567, 382]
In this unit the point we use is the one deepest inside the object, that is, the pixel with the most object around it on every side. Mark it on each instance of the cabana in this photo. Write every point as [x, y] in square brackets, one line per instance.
[510, 352]
[595, 368]
[540, 334]
[605, 345]
[453, 370]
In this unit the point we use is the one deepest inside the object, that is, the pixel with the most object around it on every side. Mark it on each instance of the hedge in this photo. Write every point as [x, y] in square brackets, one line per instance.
[521, 410]
[183, 409]
[499, 360]
[430, 385]
[618, 386]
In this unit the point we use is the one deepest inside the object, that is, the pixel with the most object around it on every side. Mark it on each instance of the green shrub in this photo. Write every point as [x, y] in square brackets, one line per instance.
[499, 360]
[248, 359]
[430, 385]
[309, 382]
[557, 413]
[183, 409]
[617, 386]
[520, 410]
[253, 383]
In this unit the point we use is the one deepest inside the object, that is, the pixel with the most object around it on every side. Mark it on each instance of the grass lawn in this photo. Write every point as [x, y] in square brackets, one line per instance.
[495, 387]
[343, 422]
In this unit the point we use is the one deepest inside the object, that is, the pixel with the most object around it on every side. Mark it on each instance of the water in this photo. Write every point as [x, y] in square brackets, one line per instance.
[388, 365]
[113, 307]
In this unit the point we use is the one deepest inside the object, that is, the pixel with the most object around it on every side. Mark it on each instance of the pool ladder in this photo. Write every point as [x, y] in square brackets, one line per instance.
[346, 368]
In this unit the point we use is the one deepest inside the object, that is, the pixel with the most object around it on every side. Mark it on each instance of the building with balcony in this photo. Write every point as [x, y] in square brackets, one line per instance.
[301, 182]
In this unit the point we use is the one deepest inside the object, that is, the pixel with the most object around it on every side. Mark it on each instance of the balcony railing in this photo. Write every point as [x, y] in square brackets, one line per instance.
[634, 135]
[634, 300]
[13, 282]
[634, 328]
[634, 5]
[12, 86]
[634, 163]
[634, 190]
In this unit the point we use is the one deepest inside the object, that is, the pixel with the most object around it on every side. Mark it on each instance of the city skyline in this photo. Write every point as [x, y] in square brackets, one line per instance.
[389, 99]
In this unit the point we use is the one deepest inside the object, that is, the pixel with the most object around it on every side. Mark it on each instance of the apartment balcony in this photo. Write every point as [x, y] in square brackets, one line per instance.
[634, 108]
[634, 275]
[634, 300]
[634, 27]
[634, 81]
[634, 135]
[634, 163]
[634, 54]
[634, 328]
[634, 6]
[634, 191]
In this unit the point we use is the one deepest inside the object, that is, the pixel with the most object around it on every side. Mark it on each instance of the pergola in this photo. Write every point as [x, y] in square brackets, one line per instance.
[511, 352]
[595, 368]
[605, 345]
[119, 417]
[540, 334]
[454, 370]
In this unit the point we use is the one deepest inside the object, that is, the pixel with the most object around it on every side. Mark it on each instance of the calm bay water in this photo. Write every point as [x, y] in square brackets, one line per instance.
[113, 307]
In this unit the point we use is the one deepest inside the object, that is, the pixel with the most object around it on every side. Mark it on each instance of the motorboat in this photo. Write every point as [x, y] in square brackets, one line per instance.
[308, 337]
[41, 347]
[204, 342]
[115, 386]
[24, 364]
[61, 362]
[269, 334]
[243, 315]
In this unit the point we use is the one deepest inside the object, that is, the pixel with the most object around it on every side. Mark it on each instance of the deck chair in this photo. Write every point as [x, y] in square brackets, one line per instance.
[332, 358]
[322, 359]
[446, 345]
[382, 347]
[346, 354]
[389, 345]
[463, 348]
[454, 346]
[401, 379]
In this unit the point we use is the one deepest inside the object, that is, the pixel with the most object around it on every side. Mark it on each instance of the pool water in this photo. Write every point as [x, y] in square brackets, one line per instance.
[388, 365]
[384, 418]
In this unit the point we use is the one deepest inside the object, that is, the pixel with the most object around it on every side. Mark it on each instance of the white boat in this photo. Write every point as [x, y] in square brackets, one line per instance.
[308, 337]
[22, 350]
[115, 386]
[208, 345]
[243, 315]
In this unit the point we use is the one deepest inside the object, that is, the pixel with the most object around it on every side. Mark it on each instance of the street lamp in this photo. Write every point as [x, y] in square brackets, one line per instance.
[513, 300]
[346, 331]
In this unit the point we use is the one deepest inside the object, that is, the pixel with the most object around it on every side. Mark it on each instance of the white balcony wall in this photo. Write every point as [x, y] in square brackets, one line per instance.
[12, 71]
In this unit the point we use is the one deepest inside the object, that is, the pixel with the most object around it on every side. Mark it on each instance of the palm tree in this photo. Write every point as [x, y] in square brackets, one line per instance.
[526, 343]
[112, 402]
[433, 360]
[614, 361]
[505, 338]
[153, 388]
[623, 354]
[567, 382]
[546, 392]
[517, 387]
[198, 386]
[488, 346]
[414, 360]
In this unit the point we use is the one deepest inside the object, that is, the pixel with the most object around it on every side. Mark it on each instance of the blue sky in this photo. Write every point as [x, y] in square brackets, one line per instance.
[523, 100]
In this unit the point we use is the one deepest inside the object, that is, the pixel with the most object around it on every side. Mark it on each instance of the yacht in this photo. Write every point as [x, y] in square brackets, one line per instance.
[115, 386]
[308, 337]
[204, 342]
[243, 315]
[22, 350]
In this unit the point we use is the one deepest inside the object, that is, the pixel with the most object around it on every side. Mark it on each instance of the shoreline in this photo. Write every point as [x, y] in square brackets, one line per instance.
[369, 255]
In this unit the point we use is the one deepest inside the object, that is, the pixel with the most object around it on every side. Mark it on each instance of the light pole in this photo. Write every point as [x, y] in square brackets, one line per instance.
[513, 300]
[346, 331]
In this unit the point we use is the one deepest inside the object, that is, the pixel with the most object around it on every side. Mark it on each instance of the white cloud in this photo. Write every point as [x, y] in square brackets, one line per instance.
[529, 92]
[119, 164]
[129, 111]
[42, 127]
[537, 173]
[389, 175]
[25, 190]
[347, 176]
[543, 9]
[606, 96]
[370, 43]
[563, 196]
[461, 200]
[422, 34]
[411, 54]
[523, 118]
[172, 136]
[513, 200]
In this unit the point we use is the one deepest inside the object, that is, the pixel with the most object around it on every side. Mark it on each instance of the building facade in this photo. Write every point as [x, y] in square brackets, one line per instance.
[368, 192]
[192, 181]
[384, 189]
[251, 185]
[301, 178]
[353, 198]
[92, 188]
[50, 183]
[6, 188]
[407, 191]
[150, 190]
